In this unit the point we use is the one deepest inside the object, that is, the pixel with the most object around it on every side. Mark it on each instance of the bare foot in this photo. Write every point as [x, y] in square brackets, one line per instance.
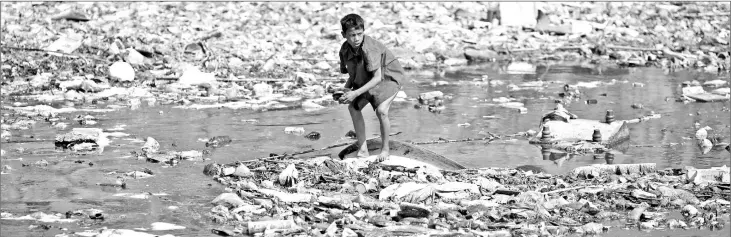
[383, 156]
[363, 151]
[363, 154]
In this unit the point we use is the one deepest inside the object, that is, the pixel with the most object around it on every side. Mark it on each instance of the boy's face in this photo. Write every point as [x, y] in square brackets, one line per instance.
[354, 36]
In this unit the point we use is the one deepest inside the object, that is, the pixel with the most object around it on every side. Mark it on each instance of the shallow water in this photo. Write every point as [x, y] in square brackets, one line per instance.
[67, 185]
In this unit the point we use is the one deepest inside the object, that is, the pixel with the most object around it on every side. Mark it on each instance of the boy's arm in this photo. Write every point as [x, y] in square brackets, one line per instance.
[373, 63]
[344, 70]
[350, 96]
[349, 83]
[373, 82]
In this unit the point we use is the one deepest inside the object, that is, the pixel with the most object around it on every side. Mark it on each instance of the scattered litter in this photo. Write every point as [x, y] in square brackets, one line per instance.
[122, 71]
[67, 43]
[39, 216]
[218, 141]
[294, 130]
[313, 136]
[410, 192]
[158, 226]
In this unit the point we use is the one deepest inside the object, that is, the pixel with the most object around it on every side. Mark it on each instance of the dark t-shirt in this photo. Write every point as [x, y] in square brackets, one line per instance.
[361, 63]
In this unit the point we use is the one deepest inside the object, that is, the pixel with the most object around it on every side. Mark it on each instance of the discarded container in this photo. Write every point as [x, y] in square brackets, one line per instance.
[242, 171]
[609, 118]
[473, 54]
[521, 68]
[597, 136]
[191, 155]
[697, 93]
[583, 130]
[581, 27]
[425, 97]
[122, 71]
[85, 146]
[412, 210]
[67, 43]
[436, 109]
[708, 176]
[546, 133]
[642, 194]
[192, 76]
[313, 136]
[79, 135]
[254, 227]
[134, 57]
[294, 130]
[218, 141]
[289, 176]
[151, 146]
[160, 226]
[518, 14]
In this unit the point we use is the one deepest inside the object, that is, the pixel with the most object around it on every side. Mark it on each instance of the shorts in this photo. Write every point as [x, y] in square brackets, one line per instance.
[377, 95]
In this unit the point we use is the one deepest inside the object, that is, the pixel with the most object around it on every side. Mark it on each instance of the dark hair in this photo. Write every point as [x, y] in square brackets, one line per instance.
[352, 21]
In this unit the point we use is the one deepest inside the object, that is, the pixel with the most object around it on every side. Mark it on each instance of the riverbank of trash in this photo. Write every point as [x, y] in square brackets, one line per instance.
[259, 56]
[353, 197]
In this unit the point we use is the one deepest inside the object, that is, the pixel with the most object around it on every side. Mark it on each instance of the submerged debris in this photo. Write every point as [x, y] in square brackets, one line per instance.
[313, 136]
[150, 147]
[218, 141]
[82, 139]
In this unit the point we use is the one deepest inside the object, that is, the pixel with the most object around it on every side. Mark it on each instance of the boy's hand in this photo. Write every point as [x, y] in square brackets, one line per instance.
[338, 94]
[348, 97]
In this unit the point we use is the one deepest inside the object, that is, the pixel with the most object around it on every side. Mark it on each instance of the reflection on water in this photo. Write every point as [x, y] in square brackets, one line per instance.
[559, 157]
[663, 141]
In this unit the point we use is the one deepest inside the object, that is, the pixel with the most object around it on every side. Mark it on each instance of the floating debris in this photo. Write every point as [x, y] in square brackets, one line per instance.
[218, 141]
[294, 130]
[39, 216]
[313, 136]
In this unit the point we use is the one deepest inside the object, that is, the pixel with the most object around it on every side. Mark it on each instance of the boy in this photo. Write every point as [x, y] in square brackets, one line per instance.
[373, 77]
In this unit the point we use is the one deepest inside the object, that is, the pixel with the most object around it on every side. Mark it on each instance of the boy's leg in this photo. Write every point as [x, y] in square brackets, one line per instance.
[382, 113]
[359, 124]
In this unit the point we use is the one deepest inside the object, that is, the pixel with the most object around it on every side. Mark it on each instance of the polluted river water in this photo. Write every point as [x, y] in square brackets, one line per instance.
[182, 194]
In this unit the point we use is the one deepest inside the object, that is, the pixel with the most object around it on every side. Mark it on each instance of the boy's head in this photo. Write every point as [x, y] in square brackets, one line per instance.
[353, 27]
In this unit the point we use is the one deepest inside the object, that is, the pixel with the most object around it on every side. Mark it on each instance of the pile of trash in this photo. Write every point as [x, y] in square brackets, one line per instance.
[353, 197]
[667, 35]
[268, 56]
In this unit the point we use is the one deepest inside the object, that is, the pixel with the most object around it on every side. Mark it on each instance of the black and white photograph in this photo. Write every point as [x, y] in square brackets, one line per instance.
[365, 119]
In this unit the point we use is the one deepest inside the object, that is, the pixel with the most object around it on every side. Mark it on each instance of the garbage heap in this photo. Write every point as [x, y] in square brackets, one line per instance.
[88, 47]
[329, 197]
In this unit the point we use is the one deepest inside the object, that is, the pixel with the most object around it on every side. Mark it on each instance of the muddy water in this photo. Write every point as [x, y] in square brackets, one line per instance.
[69, 182]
